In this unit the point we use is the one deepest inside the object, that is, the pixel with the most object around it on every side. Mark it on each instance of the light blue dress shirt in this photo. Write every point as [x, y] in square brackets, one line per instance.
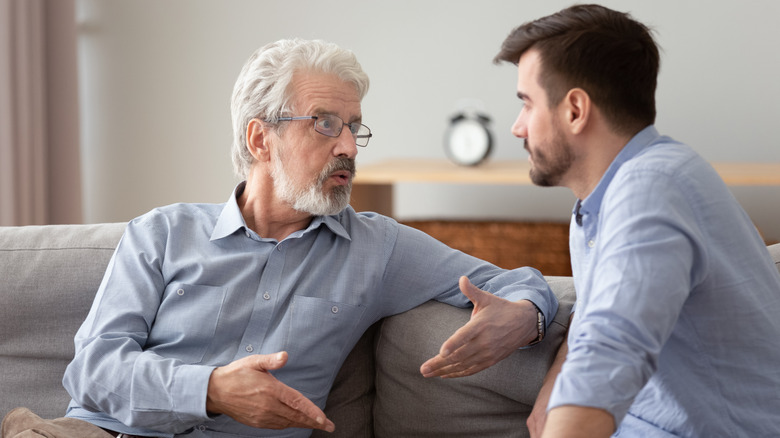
[190, 288]
[676, 330]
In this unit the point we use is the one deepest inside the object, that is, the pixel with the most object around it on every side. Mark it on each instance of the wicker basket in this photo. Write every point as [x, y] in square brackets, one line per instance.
[542, 245]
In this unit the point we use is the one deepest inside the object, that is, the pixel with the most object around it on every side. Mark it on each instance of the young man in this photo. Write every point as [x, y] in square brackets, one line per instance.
[233, 319]
[675, 331]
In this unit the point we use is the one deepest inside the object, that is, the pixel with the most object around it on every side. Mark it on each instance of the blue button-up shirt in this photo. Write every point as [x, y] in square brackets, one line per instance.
[191, 287]
[676, 330]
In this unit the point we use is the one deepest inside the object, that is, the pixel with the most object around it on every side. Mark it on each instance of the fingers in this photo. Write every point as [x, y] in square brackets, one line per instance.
[302, 411]
[266, 362]
[461, 354]
[283, 407]
[433, 367]
[441, 367]
[473, 293]
[462, 344]
[451, 355]
[464, 362]
[245, 391]
[489, 336]
[465, 334]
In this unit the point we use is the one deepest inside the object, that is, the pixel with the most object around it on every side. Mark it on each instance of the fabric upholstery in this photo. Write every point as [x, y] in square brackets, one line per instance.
[351, 401]
[48, 278]
[492, 403]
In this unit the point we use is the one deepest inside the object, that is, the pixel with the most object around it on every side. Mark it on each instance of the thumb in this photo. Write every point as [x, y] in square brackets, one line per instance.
[473, 293]
[267, 362]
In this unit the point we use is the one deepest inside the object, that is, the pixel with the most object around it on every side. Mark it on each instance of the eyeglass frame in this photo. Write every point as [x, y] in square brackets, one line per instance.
[340, 128]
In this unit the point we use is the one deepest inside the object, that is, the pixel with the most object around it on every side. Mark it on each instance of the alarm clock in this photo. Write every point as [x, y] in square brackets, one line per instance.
[468, 140]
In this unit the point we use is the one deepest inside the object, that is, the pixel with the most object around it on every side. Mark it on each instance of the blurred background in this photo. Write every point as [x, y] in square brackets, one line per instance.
[135, 107]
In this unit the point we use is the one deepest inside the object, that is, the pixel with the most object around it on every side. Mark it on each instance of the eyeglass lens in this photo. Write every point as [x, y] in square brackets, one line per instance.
[331, 125]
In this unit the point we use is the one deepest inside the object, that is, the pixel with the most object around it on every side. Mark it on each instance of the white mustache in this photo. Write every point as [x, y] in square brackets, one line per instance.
[340, 163]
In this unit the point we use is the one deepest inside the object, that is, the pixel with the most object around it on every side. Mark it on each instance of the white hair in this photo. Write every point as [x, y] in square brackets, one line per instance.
[262, 89]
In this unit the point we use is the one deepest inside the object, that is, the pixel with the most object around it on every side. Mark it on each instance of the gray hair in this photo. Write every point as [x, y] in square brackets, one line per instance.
[262, 89]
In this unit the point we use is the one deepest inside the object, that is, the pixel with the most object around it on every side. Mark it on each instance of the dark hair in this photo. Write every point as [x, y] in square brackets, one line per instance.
[606, 53]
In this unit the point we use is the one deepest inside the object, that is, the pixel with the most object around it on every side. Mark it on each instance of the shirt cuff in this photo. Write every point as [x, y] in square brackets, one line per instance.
[189, 391]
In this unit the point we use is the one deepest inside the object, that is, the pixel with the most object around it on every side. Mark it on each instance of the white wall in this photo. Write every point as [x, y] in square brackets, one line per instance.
[156, 79]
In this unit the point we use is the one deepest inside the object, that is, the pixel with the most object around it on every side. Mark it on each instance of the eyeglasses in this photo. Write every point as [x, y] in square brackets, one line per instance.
[331, 125]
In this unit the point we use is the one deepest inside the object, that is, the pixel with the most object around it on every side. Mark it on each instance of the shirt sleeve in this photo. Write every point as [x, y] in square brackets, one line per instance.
[111, 371]
[642, 273]
[420, 268]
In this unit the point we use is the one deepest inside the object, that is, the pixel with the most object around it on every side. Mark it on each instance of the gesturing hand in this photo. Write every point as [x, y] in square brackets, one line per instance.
[497, 328]
[245, 391]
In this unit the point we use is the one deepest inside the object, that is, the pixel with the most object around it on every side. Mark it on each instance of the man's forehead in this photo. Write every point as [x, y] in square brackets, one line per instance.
[528, 69]
[325, 92]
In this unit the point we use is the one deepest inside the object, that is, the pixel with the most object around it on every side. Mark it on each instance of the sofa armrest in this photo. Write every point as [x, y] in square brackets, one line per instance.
[493, 403]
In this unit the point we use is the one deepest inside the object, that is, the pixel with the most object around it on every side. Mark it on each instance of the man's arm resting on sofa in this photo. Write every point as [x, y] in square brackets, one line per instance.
[497, 328]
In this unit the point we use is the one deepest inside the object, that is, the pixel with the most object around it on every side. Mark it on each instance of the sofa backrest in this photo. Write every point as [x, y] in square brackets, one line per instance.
[48, 279]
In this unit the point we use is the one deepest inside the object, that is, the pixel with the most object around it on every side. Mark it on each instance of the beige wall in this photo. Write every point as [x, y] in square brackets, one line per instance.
[156, 79]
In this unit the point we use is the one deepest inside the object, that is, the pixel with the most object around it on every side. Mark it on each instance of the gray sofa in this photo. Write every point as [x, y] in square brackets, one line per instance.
[49, 275]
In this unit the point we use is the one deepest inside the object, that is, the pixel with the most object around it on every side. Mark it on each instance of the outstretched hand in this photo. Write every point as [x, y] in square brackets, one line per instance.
[245, 391]
[497, 328]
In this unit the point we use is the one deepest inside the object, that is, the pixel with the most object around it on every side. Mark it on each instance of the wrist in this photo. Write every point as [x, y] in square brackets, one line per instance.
[541, 327]
[212, 402]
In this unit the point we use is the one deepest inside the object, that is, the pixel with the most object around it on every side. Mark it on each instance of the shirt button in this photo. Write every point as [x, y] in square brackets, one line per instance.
[267, 296]
[250, 348]
[202, 428]
[591, 243]
[180, 291]
[334, 309]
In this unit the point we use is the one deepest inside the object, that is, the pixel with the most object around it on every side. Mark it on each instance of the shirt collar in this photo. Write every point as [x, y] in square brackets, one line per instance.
[231, 219]
[333, 222]
[591, 205]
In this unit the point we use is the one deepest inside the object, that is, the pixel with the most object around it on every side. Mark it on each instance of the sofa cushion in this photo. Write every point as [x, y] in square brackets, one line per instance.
[351, 399]
[492, 403]
[49, 279]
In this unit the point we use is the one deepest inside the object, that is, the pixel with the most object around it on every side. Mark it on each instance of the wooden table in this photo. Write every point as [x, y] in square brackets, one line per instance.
[373, 185]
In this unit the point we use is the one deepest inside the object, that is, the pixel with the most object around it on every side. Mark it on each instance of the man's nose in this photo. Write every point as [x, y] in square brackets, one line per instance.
[519, 128]
[346, 145]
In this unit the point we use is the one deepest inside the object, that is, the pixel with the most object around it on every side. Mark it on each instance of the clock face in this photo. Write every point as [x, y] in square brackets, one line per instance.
[468, 142]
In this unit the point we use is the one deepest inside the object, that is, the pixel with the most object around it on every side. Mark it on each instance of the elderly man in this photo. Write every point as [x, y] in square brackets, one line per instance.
[233, 319]
[675, 331]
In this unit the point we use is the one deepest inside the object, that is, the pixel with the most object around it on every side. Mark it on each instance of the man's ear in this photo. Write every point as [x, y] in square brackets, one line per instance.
[577, 108]
[257, 139]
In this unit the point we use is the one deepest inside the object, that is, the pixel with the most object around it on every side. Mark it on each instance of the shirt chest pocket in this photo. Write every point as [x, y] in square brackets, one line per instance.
[186, 321]
[317, 333]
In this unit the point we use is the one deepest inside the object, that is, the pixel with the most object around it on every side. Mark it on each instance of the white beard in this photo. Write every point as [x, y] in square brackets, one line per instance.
[311, 198]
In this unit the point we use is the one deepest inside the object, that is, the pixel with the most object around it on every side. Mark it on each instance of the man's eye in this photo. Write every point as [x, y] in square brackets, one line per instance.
[326, 123]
